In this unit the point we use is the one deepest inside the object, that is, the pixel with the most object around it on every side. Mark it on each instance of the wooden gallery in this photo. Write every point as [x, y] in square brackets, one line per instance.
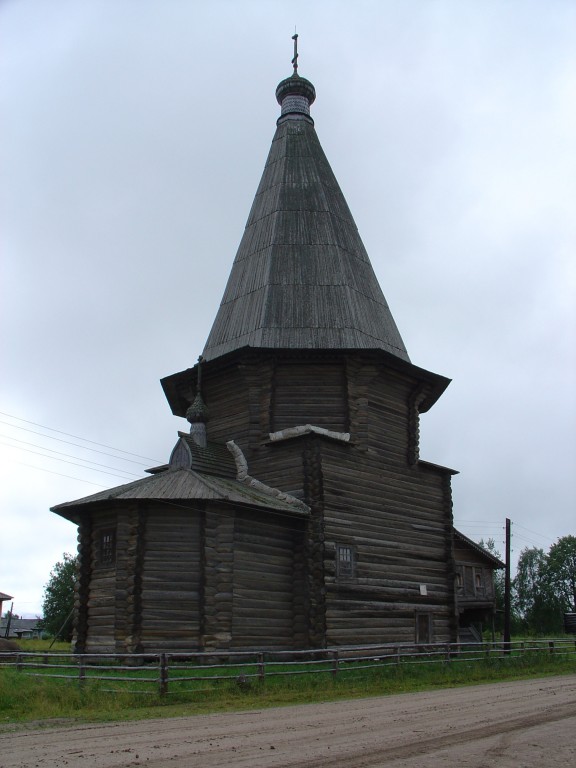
[295, 512]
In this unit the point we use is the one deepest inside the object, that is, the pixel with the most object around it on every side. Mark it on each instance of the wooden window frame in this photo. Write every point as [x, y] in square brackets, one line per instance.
[479, 582]
[345, 562]
[106, 548]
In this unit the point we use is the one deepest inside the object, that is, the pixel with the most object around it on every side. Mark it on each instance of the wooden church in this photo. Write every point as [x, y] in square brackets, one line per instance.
[296, 512]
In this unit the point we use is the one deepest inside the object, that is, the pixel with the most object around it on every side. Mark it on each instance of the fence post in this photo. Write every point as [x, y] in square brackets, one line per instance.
[551, 646]
[261, 671]
[334, 663]
[162, 675]
[81, 672]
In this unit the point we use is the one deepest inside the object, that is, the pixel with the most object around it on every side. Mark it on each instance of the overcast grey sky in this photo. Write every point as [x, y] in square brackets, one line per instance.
[133, 134]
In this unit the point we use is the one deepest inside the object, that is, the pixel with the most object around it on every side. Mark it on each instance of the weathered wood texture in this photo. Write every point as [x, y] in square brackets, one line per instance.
[226, 398]
[171, 578]
[265, 589]
[301, 278]
[187, 579]
[396, 522]
[474, 578]
[101, 598]
[309, 393]
[82, 586]
[218, 567]
[213, 575]
[129, 530]
[370, 494]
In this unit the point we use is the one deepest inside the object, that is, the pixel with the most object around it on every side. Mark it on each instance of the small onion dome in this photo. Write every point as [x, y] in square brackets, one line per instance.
[295, 94]
[197, 413]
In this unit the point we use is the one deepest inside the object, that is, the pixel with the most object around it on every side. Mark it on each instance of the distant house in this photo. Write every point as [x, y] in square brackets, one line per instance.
[475, 594]
[20, 628]
[3, 598]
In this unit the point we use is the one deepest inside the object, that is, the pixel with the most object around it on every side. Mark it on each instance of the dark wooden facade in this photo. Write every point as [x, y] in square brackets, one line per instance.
[306, 372]
[190, 578]
[370, 496]
[370, 561]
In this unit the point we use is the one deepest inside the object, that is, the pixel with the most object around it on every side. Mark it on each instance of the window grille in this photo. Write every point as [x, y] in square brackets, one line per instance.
[107, 548]
[345, 562]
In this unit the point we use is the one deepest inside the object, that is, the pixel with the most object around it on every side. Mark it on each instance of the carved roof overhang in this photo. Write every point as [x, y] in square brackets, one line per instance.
[179, 388]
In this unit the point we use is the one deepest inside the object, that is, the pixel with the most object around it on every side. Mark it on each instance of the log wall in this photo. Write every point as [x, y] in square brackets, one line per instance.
[191, 579]
[371, 494]
[171, 579]
[101, 594]
[218, 566]
[309, 393]
[393, 512]
[396, 524]
[267, 586]
[217, 577]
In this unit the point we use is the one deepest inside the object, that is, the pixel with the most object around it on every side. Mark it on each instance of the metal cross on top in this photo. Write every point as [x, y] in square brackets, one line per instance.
[295, 59]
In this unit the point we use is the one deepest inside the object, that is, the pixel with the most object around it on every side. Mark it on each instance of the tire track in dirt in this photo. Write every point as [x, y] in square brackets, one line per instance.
[383, 755]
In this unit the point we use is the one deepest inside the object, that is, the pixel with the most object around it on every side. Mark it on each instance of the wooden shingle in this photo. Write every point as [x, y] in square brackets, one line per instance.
[301, 278]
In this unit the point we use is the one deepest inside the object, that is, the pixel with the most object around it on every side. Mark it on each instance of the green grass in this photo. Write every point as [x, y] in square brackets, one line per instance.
[24, 698]
[39, 646]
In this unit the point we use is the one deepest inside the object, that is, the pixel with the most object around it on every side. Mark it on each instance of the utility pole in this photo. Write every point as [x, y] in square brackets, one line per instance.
[507, 591]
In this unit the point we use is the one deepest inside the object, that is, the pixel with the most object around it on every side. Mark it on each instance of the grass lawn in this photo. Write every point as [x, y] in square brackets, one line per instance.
[26, 698]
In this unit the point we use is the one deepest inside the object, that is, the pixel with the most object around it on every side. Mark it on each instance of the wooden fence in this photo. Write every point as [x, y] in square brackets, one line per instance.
[165, 673]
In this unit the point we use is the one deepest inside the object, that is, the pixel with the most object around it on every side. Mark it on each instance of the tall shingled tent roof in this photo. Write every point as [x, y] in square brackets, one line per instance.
[301, 278]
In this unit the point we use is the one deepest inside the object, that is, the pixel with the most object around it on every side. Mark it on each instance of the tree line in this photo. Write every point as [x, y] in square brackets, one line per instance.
[543, 590]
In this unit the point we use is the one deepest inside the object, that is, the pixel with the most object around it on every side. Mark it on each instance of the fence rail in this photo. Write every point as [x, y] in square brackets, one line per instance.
[165, 673]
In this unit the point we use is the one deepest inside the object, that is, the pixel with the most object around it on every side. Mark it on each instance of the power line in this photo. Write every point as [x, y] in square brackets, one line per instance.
[51, 450]
[76, 437]
[83, 447]
[51, 472]
[65, 461]
[540, 535]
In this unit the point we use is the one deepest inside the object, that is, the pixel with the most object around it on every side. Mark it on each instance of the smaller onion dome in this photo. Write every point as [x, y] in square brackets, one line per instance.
[197, 412]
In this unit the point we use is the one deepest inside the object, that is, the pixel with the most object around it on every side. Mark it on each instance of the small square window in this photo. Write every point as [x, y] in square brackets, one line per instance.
[107, 547]
[345, 562]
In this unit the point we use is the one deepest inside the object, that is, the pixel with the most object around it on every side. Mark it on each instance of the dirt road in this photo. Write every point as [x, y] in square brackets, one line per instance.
[527, 724]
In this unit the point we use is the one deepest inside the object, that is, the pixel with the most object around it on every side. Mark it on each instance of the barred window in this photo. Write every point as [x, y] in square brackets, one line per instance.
[107, 547]
[345, 562]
